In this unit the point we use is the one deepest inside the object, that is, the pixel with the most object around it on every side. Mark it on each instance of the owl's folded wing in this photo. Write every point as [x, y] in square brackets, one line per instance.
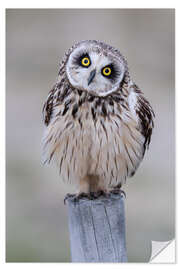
[146, 116]
[48, 106]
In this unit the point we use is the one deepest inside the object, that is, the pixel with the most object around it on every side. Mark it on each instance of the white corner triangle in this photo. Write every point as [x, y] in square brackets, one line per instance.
[163, 252]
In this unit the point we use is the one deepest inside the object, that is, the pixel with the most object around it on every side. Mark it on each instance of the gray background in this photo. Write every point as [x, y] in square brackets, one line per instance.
[37, 226]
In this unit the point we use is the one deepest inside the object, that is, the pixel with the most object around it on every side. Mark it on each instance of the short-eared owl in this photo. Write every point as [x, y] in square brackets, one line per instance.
[98, 123]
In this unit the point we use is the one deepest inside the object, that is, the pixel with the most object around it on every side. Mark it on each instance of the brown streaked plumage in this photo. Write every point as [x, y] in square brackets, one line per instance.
[98, 126]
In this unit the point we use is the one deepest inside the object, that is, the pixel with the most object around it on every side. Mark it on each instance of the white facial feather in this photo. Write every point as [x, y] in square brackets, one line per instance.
[100, 86]
[132, 100]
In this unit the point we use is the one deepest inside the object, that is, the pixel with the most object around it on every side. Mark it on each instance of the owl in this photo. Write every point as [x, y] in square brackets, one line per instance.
[98, 123]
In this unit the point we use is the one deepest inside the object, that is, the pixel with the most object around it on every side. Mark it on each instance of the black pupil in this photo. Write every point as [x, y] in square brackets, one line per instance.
[85, 61]
[106, 70]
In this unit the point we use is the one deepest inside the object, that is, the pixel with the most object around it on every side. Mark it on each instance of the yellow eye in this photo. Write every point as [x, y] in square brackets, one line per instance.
[106, 71]
[85, 62]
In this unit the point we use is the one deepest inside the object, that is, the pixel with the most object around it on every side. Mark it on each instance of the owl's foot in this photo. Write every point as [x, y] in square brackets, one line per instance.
[79, 196]
[99, 193]
[118, 190]
[90, 196]
[68, 195]
[82, 195]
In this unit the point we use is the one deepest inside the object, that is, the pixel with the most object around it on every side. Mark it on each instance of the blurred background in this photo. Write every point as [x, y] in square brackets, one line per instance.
[37, 222]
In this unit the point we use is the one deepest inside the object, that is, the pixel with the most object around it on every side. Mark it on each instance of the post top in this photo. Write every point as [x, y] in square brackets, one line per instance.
[103, 199]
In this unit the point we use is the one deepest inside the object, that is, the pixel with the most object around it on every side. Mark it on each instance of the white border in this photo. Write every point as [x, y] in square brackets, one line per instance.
[69, 4]
[88, 4]
[2, 136]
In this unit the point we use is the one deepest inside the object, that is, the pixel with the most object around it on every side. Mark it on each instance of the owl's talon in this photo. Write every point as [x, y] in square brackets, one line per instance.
[118, 191]
[97, 194]
[102, 193]
[105, 194]
[81, 195]
[91, 195]
[94, 195]
[68, 195]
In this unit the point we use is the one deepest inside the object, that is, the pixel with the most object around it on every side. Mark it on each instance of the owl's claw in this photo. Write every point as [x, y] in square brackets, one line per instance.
[68, 195]
[81, 196]
[77, 197]
[90, 196]
[118, 191]
[99, 193]
[94, 195]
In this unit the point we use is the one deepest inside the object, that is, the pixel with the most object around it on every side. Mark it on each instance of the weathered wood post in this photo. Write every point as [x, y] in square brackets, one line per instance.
[97, 229]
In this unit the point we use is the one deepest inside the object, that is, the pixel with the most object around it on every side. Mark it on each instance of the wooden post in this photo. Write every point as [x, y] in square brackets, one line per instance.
[97, 229]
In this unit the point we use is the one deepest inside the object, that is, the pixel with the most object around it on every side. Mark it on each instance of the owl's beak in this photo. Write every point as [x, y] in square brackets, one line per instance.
[91, 76]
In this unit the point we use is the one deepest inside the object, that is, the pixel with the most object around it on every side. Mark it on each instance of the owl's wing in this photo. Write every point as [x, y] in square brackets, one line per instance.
[48, 106]
[146, 116]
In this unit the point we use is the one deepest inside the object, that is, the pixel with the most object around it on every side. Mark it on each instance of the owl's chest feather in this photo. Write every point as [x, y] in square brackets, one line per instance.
[94, 136]
[105, 140]
[102, 123]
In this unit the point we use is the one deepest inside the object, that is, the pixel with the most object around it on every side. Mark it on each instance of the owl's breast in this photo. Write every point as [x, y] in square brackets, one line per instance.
[107, 140]
[94, 137]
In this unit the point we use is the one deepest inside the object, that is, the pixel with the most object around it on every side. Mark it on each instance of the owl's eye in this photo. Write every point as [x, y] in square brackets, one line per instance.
[85, 62]
[106, 71]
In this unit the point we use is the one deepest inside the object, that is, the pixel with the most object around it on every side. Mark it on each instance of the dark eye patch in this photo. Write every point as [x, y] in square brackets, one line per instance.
[78, 59]
[114, 72]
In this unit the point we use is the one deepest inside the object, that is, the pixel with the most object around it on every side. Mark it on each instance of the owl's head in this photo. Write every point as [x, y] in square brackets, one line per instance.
[95, 67]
